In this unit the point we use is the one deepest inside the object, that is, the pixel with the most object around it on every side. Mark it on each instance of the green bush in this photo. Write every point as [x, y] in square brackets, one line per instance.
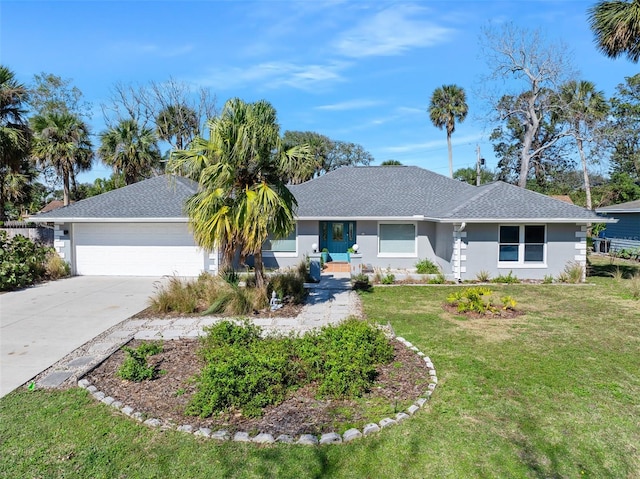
[135, 367]
[388, 279]
[242, 371]
[343, 358]
[508, 279]
[360, 282]
[246, 372]
[479, 300]
[22, 262]
[425, 266]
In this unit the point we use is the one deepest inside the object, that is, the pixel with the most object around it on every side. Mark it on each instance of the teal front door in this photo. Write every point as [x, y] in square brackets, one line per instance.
[337, 236]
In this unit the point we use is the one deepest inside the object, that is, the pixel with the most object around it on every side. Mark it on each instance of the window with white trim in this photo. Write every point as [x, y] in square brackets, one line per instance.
[282, 245]
[522, 244]
[397, 239]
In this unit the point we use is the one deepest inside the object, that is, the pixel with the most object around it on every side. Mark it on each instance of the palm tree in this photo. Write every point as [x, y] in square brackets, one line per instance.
[177, 125]
[15, 134]
[62, 142]
[448, 104]
[616, 25]
[583, 107]
[130, 149]
[240, 169]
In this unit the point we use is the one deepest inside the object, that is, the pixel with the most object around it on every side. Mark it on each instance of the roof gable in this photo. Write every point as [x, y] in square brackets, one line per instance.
[503, 201]
[377, 191]
[159, 197]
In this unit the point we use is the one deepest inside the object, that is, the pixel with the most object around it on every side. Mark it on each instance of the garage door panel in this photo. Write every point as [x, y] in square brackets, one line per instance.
[136, 250]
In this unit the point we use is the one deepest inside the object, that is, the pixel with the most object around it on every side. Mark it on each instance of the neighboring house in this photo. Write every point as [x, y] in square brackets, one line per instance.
[137, 230]
[625, 234]
[396, 215]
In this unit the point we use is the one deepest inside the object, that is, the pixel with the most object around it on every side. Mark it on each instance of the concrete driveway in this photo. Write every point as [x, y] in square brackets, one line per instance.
[41, 325]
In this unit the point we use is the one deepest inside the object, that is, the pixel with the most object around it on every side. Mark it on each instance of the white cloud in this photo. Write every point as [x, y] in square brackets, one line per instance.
[276, 75]
[429, 145]
[392, 32]
[349, 105]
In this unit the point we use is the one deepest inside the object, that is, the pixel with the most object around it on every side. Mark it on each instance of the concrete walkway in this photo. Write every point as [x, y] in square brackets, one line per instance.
[41, 324]
[329, 302]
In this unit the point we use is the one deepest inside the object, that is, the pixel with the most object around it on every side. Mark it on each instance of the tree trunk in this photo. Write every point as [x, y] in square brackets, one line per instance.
[450, 155]
[259, 269]
[65, 188]
[587, 185]
[3, 216]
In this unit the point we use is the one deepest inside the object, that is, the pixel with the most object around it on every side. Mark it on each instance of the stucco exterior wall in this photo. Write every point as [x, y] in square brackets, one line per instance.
[565, 243]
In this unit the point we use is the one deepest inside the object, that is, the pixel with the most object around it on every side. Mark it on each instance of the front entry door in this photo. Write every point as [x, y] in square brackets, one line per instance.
[340, 235]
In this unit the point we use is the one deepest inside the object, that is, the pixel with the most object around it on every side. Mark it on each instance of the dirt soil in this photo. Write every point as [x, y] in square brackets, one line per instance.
[398, 385]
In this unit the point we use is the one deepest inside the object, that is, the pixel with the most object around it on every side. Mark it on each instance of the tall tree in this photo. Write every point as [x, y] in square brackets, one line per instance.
[448, 104]
[242, 195]
[50, 93]
[624, 128]
[583, 108]
[15, 134]
[616, 26]
[326, 154]
[173, 109]
[550, 156]
[62, 142]
[130, 149]
[535, 68]
[177, 125]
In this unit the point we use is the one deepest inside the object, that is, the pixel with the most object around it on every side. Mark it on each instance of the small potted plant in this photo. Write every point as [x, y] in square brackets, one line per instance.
[325, 255]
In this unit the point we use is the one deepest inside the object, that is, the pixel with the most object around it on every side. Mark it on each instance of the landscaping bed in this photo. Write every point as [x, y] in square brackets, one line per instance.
[398, 384]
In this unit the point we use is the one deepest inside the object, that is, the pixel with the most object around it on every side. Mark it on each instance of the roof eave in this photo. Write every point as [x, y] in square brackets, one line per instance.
[530, 220]
[36, 219]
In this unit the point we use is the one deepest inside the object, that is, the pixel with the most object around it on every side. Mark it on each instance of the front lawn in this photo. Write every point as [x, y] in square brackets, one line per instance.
[551, 393]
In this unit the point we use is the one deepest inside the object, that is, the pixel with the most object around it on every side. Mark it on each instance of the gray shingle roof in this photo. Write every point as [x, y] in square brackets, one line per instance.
[628, 207]
[393, 191]
[349, 192]
[502, 201]
[377, 192]
[158, 197]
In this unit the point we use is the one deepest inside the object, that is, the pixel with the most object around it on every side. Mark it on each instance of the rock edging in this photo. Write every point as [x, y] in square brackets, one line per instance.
[267, 438]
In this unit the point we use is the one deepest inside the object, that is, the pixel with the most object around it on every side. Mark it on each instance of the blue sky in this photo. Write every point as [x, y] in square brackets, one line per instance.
[359, 71]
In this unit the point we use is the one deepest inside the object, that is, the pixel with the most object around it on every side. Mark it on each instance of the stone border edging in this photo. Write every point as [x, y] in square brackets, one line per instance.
[266, 438]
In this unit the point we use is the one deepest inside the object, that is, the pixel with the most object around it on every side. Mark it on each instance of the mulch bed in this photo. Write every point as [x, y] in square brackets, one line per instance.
[398, 384]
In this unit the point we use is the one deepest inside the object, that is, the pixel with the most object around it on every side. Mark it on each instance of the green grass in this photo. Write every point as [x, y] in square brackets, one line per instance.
[552, 393]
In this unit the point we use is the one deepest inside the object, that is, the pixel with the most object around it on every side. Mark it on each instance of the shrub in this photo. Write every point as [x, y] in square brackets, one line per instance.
[479, 300]
[343, 358]
[508, 279]
[242, 371]
[135, 367]
[388, 279]
[289, 284]
[55, 267]
[178, 295]
[483, 276]
[438, 279]
[548, 279]
[247, 372]
[21, 261]
[360, 282]
[573, 272]
[425, 266]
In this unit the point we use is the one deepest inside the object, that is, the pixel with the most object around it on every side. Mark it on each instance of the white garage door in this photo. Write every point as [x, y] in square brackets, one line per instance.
[141, 249]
